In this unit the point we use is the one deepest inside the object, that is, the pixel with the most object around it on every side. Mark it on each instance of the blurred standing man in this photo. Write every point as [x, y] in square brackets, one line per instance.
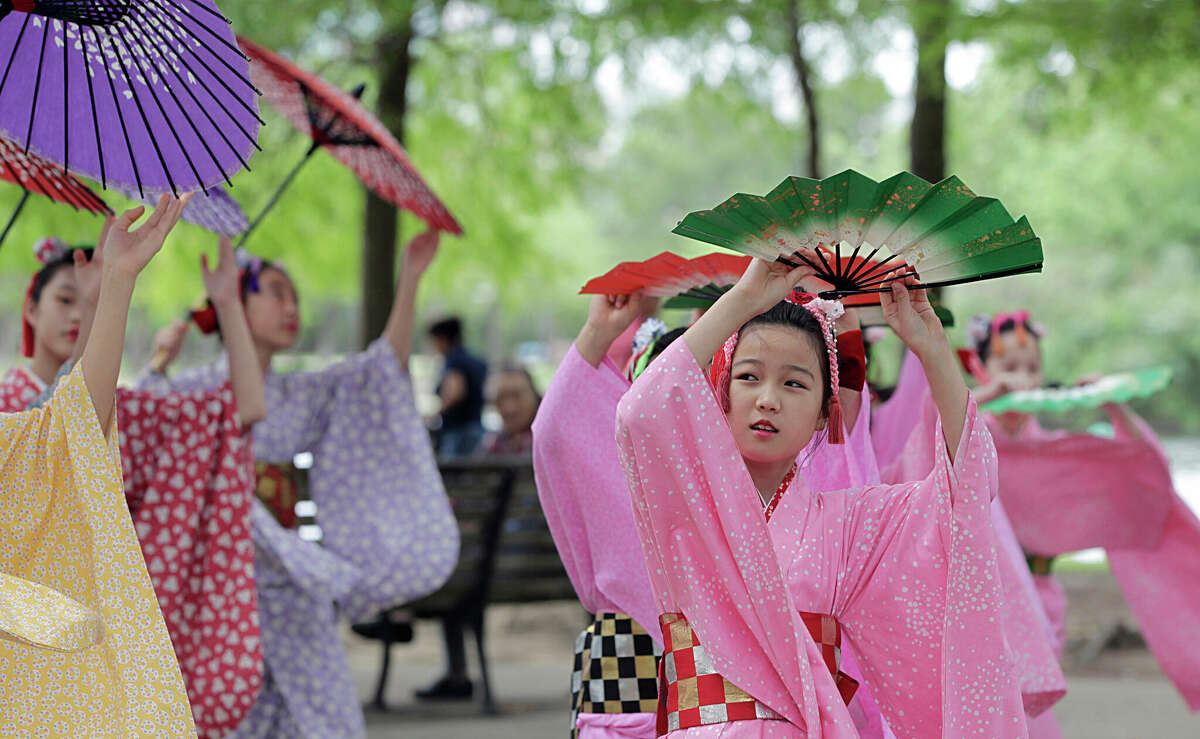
[460, 390]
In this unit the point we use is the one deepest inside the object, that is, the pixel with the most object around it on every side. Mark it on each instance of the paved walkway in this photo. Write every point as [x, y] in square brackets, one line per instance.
[1116, 699]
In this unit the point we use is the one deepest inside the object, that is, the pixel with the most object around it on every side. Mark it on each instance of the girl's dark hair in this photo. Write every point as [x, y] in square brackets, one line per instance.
[799, 318]
[449, 329]
[52, 268]
[984, 346]
[662, 342]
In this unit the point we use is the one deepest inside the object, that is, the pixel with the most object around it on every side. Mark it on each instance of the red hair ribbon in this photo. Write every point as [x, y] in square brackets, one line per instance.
[24, 6]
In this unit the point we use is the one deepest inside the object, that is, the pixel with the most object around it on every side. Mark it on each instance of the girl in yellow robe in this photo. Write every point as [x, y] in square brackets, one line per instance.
[84, 651]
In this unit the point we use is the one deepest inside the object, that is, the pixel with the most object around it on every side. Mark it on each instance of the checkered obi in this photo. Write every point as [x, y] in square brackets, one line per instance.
[695, 694]
[616, 668]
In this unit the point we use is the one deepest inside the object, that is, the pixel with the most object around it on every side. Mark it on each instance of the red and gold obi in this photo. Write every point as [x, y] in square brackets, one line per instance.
[275, 485]
[692, 692]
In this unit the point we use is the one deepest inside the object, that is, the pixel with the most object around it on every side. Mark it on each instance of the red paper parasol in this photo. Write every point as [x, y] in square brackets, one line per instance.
[35, 174]
[337, 121]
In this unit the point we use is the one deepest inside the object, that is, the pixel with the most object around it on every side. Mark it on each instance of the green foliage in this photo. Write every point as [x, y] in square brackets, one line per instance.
[1082, 117]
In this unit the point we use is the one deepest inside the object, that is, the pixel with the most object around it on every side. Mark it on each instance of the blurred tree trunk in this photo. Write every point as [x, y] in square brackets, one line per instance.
[927, 136]
[804, 83]
[380, 230]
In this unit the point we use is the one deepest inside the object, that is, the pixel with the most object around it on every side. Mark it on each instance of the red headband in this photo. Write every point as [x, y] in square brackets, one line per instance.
[720, 372]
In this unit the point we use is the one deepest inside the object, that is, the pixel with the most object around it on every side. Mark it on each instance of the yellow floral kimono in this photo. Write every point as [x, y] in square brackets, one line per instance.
[84, 651]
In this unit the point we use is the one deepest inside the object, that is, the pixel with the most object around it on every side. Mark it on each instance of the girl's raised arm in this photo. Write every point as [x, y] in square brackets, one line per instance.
[245, 372]
[126, 253]
[913, 319]
[760, 287]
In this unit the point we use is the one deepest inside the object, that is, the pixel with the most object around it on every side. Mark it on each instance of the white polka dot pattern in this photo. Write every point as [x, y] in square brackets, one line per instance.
[380, 503]
[910, 570]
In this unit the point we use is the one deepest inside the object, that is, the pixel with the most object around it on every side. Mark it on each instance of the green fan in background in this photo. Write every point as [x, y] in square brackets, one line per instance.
[1116, 388]
[944, 232]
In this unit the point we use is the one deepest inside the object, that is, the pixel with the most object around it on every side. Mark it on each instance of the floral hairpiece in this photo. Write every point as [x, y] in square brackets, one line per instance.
[50, 249]
[985, 329]
[644, 339]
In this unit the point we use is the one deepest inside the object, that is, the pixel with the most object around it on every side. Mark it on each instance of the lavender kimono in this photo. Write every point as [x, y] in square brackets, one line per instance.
[389, 533]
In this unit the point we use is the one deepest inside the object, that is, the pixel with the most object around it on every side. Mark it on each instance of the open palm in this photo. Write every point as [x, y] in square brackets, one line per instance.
[419, 253]
[129, 251]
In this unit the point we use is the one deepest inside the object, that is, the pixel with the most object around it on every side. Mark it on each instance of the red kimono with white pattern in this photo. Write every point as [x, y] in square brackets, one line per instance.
[189, 484]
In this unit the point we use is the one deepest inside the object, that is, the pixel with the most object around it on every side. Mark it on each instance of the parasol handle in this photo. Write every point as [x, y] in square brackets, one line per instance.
[13, 218]
[278, 192]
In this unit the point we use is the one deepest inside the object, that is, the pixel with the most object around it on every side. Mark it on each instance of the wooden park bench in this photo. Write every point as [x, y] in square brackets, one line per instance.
[506, 556]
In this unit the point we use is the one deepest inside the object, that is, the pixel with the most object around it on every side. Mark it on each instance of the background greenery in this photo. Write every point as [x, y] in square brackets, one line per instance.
[567, 136]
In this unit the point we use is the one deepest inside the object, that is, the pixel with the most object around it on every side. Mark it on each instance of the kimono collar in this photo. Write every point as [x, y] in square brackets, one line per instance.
[779, 491]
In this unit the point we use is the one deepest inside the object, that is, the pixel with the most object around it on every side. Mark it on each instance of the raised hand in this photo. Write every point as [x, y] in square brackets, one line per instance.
[88, 272]
[911, 316]
[129, 251]
[221, 284]
[167, 344]
[608, 317]
[419, 253]
[764, 283]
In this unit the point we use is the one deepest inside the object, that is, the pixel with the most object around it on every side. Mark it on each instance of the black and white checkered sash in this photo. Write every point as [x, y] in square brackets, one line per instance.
[616, 668]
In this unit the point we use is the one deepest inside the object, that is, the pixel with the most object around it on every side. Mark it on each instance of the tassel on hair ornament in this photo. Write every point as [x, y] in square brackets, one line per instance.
[826, 312]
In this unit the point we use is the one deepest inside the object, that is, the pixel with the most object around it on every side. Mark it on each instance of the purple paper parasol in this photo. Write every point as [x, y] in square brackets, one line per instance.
[214, 210]
[141, 94]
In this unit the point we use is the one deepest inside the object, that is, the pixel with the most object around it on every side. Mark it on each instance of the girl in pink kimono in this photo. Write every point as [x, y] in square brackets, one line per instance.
[586, 501]
[907, 572]
[1067, 491]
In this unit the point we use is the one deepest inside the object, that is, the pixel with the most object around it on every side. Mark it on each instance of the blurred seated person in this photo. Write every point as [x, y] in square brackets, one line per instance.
[460, 390]
[516, 399]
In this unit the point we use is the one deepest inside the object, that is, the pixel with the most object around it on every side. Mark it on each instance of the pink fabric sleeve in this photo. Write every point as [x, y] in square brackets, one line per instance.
[892, 422]
[707, 547]
[584, 494]
[920, 590]
[1025, 625]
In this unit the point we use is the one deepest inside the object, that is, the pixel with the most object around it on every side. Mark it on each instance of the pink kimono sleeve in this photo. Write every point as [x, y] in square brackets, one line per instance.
[1028, 632]
[584, 494]
[1161, 581]
[707, 547]
[921, 597]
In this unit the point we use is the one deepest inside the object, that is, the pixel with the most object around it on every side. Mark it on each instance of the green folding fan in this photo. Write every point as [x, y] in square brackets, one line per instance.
[1116, 388]
[861, 229]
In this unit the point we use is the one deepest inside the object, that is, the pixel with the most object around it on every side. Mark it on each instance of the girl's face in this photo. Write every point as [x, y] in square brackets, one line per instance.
[515, 402]
[1018, 364]
[273, 312]
[776, 393]
[56, 316]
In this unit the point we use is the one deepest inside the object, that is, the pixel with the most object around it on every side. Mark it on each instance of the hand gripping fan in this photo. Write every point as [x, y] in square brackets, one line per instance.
[699, 282]
[1116, 388]
[861, 230]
